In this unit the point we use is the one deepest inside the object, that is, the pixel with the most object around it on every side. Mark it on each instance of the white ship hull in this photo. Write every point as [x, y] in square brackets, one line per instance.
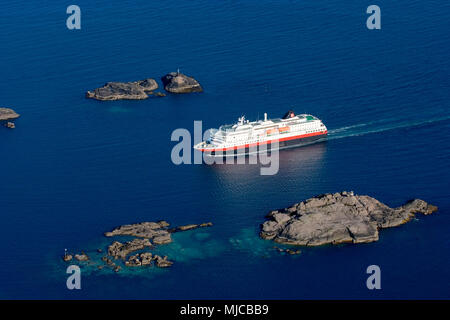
[247, 137]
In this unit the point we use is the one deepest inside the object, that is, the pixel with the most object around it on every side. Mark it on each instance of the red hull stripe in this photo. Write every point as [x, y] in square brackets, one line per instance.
[320, 133]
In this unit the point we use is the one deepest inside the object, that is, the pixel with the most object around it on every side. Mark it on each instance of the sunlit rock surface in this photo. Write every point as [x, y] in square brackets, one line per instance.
[337, 218]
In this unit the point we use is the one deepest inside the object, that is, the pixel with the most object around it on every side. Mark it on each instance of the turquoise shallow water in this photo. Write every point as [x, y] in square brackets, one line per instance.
[75, 168]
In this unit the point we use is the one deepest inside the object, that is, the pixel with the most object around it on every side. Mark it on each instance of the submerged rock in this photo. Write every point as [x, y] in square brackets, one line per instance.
[136, 90]
[176, 82]
[289, 251]
[337, 218]
[8, 114]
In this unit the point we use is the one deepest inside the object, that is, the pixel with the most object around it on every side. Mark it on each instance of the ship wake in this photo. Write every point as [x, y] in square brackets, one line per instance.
[379, 126]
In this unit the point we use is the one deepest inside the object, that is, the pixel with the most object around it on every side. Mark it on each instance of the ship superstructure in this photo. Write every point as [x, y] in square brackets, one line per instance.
[245, 136]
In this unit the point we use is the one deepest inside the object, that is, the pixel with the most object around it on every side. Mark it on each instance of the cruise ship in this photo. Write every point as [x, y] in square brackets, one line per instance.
[245, 137]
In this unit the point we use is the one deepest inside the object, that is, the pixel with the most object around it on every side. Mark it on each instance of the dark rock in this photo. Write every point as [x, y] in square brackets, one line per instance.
[147, 85]
[338, 218]
[176, 82]
[124, 90]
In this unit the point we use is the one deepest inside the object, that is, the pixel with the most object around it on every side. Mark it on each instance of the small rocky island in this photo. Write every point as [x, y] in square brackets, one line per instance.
[176, 82]
[136, 252]
[137, 90]
[7, 114]
[337, 218]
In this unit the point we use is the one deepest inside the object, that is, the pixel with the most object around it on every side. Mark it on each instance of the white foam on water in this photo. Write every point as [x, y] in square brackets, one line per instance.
[378, 126]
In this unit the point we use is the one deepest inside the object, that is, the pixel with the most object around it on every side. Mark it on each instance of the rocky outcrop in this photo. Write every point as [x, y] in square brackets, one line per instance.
[137, 90]
[146, 259]
[176, 82]
[8, 114]
[337, 218]
[135, 253]
[148, 85]
[120, 250]
[159, 234]
[162, 262]
[157, 231]
[82, 257]
[137, 260]
[162, 239]
[191, 227]
[67, 257]
[10, 125]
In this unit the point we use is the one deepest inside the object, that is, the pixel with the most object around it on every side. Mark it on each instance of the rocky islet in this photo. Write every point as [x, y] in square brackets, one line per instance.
[335, 218]
[173, 82]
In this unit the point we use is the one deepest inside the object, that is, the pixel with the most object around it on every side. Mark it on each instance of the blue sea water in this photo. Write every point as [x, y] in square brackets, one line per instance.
[75, 168]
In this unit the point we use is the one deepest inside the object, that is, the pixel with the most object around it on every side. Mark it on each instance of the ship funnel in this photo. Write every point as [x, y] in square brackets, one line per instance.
[265, 116]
